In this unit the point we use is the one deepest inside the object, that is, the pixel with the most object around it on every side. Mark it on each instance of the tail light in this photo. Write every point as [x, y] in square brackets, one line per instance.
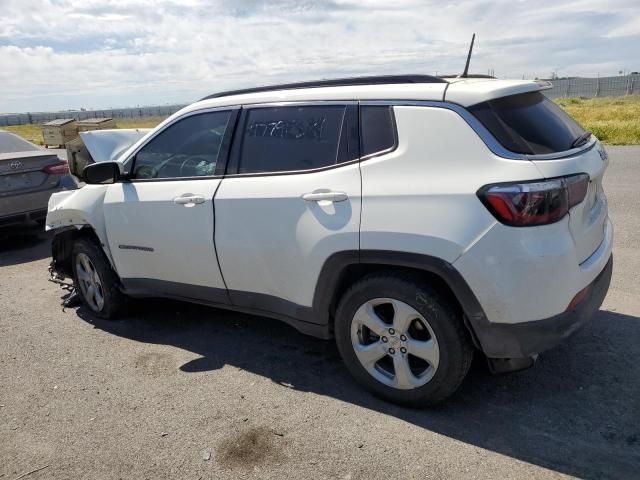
[541, 202]
[61, 168]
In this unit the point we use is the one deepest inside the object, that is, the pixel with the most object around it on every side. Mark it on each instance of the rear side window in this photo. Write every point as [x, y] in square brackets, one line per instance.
[528, 123]
[280, 139]
[377, 129]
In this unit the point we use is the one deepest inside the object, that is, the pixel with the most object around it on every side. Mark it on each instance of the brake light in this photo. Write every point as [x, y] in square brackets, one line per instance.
[541, 202]
[61, 168]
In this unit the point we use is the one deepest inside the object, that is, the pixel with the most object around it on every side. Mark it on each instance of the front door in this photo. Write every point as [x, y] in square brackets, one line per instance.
[160, 224]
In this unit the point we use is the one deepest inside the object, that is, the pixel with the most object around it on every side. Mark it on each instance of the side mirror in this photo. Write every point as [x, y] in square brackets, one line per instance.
[101, 173]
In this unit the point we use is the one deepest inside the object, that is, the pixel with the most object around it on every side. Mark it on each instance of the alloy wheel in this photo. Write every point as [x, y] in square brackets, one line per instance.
[90, 283]
[395, 343]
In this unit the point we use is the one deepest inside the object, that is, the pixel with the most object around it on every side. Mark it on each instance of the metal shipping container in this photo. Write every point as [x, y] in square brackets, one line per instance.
[95, 124]
[59, 132]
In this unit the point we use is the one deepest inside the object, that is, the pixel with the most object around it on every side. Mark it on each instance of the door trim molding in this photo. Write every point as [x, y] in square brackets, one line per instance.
[314, 320]
[245, 302]
[151, 287]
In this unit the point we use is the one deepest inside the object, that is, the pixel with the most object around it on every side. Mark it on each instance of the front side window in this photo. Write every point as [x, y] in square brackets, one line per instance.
[188, 148]
[528, 123]
[280, 139]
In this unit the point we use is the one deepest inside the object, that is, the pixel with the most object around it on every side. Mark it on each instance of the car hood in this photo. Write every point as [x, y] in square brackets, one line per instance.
[108, 145]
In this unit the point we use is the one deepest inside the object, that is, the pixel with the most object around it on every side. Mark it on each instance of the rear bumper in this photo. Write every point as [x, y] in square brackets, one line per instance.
[526, 339]
[20, 208]
[22, 218]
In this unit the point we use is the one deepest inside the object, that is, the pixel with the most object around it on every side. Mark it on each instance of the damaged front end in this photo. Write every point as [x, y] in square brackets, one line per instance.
[71, 216]
[101, 146]
[60, 267]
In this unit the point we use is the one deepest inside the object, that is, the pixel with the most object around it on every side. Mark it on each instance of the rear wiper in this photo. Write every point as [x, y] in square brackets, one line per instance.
[581, 140]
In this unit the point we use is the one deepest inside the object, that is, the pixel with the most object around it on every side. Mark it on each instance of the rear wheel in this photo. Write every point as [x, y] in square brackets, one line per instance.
[95, 281]
[401, 340]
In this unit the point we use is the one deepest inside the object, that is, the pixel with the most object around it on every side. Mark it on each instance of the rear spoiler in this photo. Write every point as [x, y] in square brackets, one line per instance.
[544, 84]
[467, 92]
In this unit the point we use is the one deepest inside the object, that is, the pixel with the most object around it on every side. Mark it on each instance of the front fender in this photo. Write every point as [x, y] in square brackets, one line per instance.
[80, 208]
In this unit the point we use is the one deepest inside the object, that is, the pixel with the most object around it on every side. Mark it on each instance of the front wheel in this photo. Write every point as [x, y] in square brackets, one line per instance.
[402, 340]
[94, 279]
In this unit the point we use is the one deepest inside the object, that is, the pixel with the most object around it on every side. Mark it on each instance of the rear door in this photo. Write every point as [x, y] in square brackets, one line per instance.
[160, 224]
[290, 199]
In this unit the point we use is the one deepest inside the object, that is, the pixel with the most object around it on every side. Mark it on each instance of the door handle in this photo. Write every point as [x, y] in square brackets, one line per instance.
[325, 196]
[189, 199]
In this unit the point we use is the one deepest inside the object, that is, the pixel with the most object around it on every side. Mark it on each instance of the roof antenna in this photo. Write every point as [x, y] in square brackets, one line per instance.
[466, 67]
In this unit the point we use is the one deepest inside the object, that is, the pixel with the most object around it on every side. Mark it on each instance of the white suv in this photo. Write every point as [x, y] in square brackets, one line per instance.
[415, 219]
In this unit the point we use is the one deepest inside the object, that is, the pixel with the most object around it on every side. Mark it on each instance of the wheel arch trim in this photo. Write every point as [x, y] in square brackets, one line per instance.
[62, 246]
[336, 266]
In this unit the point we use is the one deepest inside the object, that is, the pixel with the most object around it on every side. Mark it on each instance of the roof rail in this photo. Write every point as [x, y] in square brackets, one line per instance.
[336, 82]
[470, 75]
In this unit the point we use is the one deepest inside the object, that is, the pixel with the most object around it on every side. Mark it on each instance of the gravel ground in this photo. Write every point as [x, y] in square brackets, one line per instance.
[181, 391]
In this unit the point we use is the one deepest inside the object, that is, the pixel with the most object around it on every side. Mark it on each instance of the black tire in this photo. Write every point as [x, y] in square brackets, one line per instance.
[456, 350]
[114, 299]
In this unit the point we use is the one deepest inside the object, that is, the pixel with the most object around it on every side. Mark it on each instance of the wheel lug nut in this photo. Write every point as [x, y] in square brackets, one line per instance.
[392, 351]
[385, 339]
[403, 338]
[403, 350]
[391, 331]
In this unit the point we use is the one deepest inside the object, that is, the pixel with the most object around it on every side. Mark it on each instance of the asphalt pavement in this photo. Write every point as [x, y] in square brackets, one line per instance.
[184, 391]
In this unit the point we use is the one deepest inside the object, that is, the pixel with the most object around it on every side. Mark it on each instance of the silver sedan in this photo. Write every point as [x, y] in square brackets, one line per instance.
[28, 177]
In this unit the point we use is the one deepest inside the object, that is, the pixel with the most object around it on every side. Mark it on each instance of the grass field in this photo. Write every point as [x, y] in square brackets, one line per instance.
[614, 120]
[33, 132]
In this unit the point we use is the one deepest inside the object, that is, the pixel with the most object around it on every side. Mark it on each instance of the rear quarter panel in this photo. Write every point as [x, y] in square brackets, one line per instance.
[421, 198]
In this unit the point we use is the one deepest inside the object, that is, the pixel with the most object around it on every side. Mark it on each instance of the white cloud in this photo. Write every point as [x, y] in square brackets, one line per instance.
[628, 28]
[65, 53]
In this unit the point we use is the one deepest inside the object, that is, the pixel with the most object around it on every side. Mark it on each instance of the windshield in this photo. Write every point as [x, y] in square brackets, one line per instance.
[528, 123]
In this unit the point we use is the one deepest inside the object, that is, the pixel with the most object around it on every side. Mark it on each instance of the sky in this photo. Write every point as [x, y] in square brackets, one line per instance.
[68, 54]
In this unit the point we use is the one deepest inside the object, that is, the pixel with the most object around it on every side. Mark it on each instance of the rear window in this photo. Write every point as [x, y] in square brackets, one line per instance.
[528, 123]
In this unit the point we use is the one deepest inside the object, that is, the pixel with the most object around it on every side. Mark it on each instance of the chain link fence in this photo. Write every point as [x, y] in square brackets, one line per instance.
[116, 113]
[594, 87]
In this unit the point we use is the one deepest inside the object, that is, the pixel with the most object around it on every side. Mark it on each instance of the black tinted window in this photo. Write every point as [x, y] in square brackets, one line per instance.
[377, 129]
[528, 123]
[291, 138]
[188, 148]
